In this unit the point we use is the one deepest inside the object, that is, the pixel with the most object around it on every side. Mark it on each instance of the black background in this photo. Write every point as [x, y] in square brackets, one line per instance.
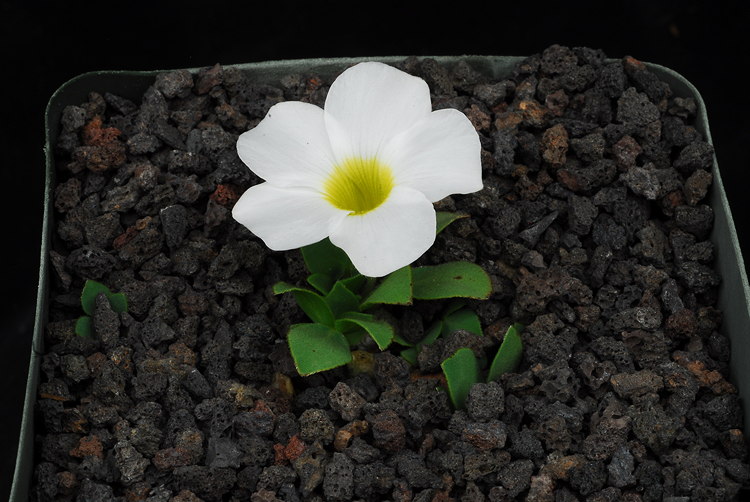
[45, 43]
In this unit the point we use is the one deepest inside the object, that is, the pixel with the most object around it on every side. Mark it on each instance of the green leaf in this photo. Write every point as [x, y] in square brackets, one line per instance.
[463, 319]
[445, 218]
[118, 302]
[410, 355]
[355, 337]
[355, 282]
[395, 289]
[432, 334]
[325, 258]
[316, 348]
[508, 355]
[461, 372]
[341, 300]
[380, 331]
[310, 302]
[84, 327]
[92, 289]
[321, 282]
[401, 341]
[88, 296]
[450, 280]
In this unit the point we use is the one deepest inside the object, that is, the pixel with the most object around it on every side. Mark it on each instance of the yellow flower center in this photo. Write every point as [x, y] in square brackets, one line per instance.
[358, 185]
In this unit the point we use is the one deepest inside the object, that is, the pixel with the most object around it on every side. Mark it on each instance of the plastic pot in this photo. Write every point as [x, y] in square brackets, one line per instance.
[733, 292]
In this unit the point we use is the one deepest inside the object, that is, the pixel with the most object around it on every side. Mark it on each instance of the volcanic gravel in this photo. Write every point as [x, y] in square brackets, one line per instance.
[592, 224]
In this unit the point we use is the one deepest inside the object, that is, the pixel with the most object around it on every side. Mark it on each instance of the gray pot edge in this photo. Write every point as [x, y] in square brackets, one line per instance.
[734, 291]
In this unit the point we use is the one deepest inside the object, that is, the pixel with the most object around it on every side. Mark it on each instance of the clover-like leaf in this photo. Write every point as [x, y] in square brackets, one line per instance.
[396, 289]
[322, 282]
[410, 355]
[355, 282]
[380, 331]
[84, 327]
[451, 280]
[325, 258]
[461, 372]
[341, 300]
[92, 289]
[315, 347]
[118, 302]
[445, 218]
[508, 355]
[462, 319]
[310, 302]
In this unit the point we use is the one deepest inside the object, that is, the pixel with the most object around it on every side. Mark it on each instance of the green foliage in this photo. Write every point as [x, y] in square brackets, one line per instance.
[339, 302]
[443, 219]
[396, 289]
[91, 289]
[311, 303]
[508, 355]
[316, 347]
[461, 370]
[451, 280]
[326, 259]
[84, 327]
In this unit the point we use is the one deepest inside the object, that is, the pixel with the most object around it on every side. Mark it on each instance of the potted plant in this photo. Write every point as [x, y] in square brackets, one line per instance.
[558, 329]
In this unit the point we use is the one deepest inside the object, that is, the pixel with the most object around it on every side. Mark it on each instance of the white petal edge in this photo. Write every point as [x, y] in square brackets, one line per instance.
[439, 156]
[389, 237]
[289, 147]
[371, 102]
[286, 218]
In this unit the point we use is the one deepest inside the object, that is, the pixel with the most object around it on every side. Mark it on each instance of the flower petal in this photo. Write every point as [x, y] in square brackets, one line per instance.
[390, 236]
[286, 218]
[289, 147]
[439, 156]
[370, 103]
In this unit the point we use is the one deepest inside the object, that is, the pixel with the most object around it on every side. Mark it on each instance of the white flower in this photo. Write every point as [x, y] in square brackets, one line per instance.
[364, 171]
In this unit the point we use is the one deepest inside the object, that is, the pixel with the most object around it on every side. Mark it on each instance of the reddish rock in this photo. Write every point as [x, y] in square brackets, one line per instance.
[555, 145]
[88, 446]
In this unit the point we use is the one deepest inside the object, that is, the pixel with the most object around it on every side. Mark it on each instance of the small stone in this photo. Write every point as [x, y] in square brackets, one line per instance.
[388, 431]
[541, 489]
[346, 402]
[174, 83]
[68, 195]
[223, 452]
[315, 425]
[486, 401]
[106, 323]
[697, 220]
[174, 224]
[696, 186]
[621, 467]
[696, 155]
[581, 214]
[642, 181]
[555, 145]
[310, 468]
[131, 464]
[634, 108]
[625, 152]
[638, 384]
[485, 436]
[338, 484]
[75, 367]
[588, 477]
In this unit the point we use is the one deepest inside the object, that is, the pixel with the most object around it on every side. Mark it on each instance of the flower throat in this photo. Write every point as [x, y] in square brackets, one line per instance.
[358, 185]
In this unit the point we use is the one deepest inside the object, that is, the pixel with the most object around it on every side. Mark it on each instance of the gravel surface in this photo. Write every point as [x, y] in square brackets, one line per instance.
[593, 226]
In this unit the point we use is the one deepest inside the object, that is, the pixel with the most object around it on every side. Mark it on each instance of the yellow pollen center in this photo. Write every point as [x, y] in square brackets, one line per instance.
[358, 185]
